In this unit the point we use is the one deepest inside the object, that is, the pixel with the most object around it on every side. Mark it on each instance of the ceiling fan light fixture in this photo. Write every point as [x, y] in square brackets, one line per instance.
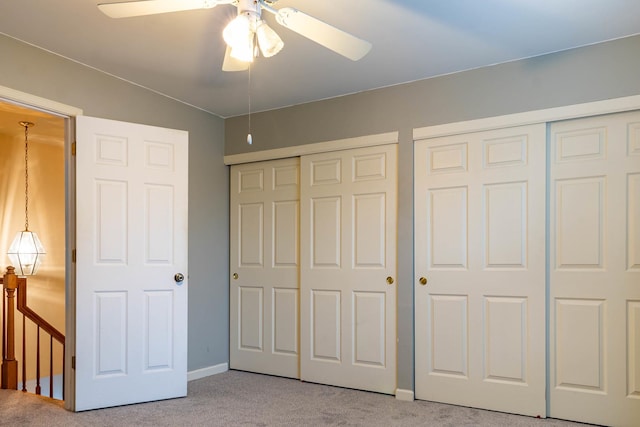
[269, 41]
[239, 36]
[237, 31]
[243, 52]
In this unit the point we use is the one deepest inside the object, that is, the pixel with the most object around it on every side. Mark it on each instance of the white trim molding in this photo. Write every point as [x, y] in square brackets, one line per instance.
[607, 106]
[404, 395]
[318, 147]
[207, 372]
[32, 101]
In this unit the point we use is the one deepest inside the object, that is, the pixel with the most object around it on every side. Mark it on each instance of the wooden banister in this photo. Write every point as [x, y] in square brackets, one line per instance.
[13, 284]
[32, 315]
[9, 362]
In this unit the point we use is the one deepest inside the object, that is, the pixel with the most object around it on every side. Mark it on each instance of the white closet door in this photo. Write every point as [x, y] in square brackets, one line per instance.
[595, 270]
[479, 243]
[348, 257]
[264, 256]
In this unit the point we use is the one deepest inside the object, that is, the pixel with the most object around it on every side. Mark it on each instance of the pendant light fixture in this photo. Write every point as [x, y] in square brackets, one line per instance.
[26, 251]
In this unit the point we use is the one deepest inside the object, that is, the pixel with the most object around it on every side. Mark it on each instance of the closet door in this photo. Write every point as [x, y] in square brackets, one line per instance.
[264, 267]
[480, 269]
[595, 269]
[348, 268]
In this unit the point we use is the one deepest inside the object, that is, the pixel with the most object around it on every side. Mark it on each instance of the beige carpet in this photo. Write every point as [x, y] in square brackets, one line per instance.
[243, 399]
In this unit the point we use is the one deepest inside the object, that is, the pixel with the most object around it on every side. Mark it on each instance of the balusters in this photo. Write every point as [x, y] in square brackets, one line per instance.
[51, 366]
[24, 353]
[38, 391]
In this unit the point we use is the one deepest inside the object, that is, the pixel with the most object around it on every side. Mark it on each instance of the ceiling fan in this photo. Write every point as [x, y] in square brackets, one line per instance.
[248, 30]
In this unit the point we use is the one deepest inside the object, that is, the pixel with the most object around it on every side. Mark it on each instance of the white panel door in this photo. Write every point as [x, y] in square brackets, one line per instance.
[264, 264]
[480, 269]
[131, 313]
[348, 264]
[595, 270]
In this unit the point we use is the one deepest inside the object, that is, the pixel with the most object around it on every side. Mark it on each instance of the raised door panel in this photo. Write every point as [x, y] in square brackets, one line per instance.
[325, 240]
[448, 224]
[448, 329]
[369, 328]
[110, 323]
[505, 340]
[326, 325]
[158, 330]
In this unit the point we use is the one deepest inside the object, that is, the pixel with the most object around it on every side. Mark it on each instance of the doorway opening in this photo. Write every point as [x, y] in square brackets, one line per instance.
[48, 213]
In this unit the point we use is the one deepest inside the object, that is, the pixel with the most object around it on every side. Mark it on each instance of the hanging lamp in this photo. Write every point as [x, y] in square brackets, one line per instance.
[26, 251]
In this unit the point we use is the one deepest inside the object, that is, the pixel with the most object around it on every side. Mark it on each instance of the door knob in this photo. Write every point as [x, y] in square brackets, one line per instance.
[423, 281]
[235, 276]
[390, 280]
[178, 277]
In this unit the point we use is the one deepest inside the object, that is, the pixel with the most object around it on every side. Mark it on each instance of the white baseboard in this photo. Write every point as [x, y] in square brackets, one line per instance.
[207, 372]
[405, 395]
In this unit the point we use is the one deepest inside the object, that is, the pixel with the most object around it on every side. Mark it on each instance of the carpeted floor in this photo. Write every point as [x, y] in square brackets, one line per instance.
[243, 399]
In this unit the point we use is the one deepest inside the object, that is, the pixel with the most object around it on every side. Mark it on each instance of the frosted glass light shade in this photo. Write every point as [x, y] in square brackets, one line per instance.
[26, 253]
[239, 37]
[270, 43]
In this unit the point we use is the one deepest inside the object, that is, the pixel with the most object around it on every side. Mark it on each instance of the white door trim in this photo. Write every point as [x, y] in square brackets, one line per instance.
[35, 102]
[318, 147]
[614, 105]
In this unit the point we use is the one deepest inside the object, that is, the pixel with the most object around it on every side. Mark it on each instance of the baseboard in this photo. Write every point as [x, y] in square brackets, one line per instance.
[405, 395]
[207, 372]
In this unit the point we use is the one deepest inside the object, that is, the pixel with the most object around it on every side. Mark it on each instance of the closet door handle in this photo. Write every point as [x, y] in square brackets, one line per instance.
[390, 280]
[423, 281]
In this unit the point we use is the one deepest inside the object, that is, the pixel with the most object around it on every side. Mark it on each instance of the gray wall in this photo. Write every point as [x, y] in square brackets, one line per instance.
[34, 71]
[598, 72]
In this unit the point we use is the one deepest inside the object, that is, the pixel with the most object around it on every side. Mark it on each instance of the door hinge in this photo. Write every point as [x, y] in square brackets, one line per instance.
[73, 148]
[73, 362]
[73, 255]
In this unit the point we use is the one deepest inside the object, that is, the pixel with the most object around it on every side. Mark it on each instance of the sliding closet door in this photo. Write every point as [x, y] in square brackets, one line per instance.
[264, 267]
[595, 270]
[348, 268]
[480, 269]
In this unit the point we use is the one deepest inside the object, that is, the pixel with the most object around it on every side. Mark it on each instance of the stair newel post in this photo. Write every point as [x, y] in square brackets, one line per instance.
[9, 362]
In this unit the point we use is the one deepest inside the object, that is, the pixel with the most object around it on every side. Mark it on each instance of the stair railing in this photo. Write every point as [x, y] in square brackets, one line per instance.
[17, 286]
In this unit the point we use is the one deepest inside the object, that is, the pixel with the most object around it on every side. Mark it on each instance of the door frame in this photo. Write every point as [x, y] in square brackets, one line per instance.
[68, 113]
[315, 148]
[546, 116]
[554, 114]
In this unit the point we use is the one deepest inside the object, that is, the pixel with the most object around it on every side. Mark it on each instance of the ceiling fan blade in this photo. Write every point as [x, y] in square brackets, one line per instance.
[232, 64]
[322, 33]
[129, 9]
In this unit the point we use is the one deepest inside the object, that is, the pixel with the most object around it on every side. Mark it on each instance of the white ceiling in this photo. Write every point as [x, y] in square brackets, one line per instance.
[180, 54]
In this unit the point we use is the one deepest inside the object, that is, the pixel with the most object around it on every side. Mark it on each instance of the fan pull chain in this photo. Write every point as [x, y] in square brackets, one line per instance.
[249, 137]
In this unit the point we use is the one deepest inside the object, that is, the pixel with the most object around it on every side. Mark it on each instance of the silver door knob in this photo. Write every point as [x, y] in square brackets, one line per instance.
[179, 277]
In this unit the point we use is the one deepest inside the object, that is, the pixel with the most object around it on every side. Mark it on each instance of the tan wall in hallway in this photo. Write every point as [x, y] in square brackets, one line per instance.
[46, 290]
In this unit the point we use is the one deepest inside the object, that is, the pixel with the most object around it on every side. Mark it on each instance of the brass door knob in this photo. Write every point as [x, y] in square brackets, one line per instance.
[235, 276]
[390, 280]
[423, 281]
